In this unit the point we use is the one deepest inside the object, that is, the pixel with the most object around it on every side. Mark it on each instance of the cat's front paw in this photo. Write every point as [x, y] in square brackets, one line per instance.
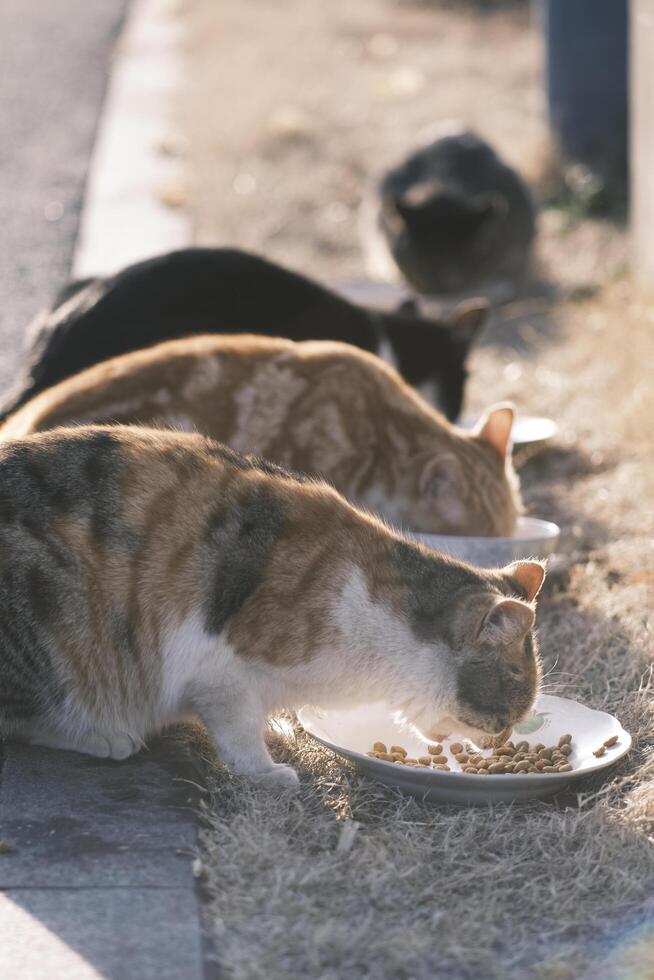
[279, 779]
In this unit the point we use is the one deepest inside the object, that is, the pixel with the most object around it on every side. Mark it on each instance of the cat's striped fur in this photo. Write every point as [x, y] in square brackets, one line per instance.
[146, 575]
[318, 407]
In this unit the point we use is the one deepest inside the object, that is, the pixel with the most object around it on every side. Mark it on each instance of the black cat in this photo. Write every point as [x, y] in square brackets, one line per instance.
[221, 290]
[455, 217]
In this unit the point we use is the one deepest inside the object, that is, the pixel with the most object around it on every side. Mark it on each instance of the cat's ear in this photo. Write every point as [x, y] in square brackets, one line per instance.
[495, 428]
[527, 575]
[441, 479]
[467, 319]
[508, 621]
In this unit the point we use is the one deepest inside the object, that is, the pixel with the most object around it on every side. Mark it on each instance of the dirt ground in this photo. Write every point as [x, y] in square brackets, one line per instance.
[292, 107]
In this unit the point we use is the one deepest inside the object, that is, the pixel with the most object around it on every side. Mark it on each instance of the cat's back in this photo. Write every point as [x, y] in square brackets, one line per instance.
[148, 384]
[348, 374]
[106, 477]
[85, 470]
[181, 293]
[460, 160]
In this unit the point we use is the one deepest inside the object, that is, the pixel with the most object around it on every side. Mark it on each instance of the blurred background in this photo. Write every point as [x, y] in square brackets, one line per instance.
[348, 91]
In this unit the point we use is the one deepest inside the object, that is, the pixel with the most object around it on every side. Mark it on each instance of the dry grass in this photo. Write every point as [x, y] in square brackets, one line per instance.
[347, 879]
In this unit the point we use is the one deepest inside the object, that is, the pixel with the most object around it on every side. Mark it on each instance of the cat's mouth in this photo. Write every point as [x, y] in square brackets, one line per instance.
[474, 730]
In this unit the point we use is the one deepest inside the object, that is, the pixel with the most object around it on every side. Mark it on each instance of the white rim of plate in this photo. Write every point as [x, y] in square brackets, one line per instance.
[427, 775]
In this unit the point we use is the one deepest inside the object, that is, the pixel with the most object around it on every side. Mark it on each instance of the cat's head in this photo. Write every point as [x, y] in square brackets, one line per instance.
[448, 234]
[433, 352]
[465, 484]
[476, 657]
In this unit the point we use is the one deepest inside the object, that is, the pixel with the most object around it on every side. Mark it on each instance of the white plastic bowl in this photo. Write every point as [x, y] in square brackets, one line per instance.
[532, 538]
[528, 430]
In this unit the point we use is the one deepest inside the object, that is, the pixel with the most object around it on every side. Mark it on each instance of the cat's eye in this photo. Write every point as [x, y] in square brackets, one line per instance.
[515, 672]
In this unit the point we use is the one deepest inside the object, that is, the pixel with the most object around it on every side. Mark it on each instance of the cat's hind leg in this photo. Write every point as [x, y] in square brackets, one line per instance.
[237, 726]
[117, 745]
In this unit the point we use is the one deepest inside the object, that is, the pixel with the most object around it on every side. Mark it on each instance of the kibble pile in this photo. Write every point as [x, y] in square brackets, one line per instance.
[507, 758]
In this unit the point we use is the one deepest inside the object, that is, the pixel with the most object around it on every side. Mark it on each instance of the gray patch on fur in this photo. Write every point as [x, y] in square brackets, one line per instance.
[78, 475]
[41, 583]
[239, 540]
[433, 583]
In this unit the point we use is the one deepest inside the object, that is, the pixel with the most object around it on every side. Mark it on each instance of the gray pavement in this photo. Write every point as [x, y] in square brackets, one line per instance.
[96, 876]
[99, 881]
[54, 60]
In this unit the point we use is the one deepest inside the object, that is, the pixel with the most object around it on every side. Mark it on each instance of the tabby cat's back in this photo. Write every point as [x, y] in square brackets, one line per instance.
[147, 575]
[318, 407]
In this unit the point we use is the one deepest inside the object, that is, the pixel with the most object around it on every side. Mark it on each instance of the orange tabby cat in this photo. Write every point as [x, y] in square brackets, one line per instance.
[317, 407]
[147, 575]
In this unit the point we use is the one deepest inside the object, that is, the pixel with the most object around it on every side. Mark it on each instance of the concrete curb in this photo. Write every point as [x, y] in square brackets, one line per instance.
[96, 875]
[98, 878]
[135, 166]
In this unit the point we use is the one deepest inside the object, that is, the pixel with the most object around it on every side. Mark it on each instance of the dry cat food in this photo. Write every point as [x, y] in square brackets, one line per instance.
[505, 757]
[608, 744]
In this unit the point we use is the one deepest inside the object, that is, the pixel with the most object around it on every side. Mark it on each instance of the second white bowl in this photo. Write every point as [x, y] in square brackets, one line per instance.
[532, 538]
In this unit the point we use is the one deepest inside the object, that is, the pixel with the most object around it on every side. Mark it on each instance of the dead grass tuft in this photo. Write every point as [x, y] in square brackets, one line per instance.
[350, 880]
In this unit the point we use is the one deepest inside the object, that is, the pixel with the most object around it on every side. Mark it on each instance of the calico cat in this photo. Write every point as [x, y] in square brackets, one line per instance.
[149, 575]
[317, 407]
[455, 217]
[220, 290]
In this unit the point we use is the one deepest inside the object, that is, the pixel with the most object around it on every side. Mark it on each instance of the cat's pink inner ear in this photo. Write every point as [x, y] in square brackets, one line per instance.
[529, 575]
[467, 318]
[495, 428]
[509, 620]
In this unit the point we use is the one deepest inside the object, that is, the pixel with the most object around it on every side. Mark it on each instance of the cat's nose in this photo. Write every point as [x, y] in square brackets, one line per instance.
[502, 722]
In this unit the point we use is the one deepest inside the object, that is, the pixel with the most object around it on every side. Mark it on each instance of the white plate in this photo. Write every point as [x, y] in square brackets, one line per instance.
[378, 295]
[527, 430]
[351, 733]
[532, 538]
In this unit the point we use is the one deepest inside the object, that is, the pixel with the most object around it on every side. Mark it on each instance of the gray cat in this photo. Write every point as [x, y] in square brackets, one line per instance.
[455, 217]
